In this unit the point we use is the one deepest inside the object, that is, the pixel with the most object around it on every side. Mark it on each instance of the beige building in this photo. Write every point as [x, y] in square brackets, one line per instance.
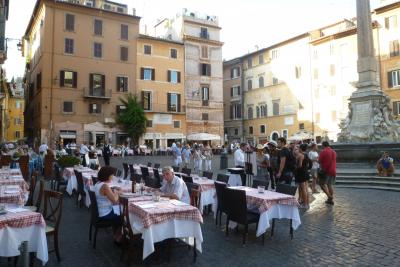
[203, 69]
[160, 86]
[15, 111]
[81, 58]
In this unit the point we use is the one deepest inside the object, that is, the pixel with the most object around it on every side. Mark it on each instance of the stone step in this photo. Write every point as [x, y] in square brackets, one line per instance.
[395, 189]
[368, 183]
[367, 178]
[361, 173]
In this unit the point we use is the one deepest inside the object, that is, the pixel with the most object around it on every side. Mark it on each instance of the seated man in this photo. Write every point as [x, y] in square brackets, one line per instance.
[385, 165]
[174, 187]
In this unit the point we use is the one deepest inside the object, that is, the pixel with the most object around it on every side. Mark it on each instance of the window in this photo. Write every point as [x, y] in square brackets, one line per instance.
[297, 70]
[261, 59]
[261, 82]
[204, 33]
[89, 3]
[315, 54]
[174, 102]
[394, 48]
[107, 7]
[275, 108]
[236, 111]
[98, 27]
[285, 133]
[275, 54]
[396, 108]
[97, 84]
[149, 123]
[393, 78]
[250, 113]
[315, 74]
[301, 126]
[174, 76]
[205, 93]
[69, 22]
[249, 62]
[69, 46]
[147, 49]
[204, 116]
[333, 116]
[250, 129]
[174, 53]
[122, 84]
[147, 74]
[146, 100]
[262, 129]
[317, 117]
[204, 51]
[275, 81]
[235, 72]
[17, 104]
[39, 81]
[68, 79]
[249, 84]
[120, 109]
[97, 50]
[68, 107]
[120, 10]
[177, 124]
[235, 91]
[17, 121]
[391, 22]
[332, 70]
[205, 69]
[257, 112]
[124, 32]
[94, 108]
[17, 134]
[236, 131]
[263, 111]
[124, 53]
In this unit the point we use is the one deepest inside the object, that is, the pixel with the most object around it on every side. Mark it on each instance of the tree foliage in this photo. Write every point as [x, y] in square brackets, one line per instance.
[133, 119]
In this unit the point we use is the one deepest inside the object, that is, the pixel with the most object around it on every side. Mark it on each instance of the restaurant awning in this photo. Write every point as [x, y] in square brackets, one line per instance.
[203, 137]
[300, 136]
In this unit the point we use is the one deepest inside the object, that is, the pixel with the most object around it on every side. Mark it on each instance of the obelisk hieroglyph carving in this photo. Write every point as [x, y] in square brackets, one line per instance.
[370, 117]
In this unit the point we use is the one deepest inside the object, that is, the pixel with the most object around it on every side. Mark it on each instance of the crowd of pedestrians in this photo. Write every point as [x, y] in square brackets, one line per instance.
[198, 153]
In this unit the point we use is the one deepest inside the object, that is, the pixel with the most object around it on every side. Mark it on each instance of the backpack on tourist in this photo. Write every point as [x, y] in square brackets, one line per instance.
[307, 162]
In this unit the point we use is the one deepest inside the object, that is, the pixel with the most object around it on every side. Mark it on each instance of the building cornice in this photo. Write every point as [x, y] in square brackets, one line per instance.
[148, 37]
[201, 24]
[386, 8]
[188, 37]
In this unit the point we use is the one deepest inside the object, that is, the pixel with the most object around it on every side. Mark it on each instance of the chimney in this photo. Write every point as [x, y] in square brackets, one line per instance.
[134, 11]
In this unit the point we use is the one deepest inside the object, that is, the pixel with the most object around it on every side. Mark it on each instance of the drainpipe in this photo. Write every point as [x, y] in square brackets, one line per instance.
[51, 79]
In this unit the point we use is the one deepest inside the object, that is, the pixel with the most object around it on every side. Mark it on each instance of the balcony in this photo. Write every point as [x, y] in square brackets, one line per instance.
[97, 93]
[163, 108]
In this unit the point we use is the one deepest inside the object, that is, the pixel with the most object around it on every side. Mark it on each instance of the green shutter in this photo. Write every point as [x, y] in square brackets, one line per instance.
[61, 78]
[75, 79]
[390, 81]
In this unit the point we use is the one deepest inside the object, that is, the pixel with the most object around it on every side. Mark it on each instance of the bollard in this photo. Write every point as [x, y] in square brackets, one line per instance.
[223, 161]
[24, 256]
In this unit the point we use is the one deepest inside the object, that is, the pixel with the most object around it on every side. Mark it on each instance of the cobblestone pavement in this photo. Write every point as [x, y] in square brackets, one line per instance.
[361, 229]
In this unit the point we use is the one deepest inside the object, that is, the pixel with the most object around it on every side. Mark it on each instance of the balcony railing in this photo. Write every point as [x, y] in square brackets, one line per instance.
[97, 93]
[164, 108]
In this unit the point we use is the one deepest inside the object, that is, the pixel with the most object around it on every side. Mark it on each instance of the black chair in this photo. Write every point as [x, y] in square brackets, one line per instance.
[150, 182]
[126, 169]
[175, 168]
[137, 178]
[186, 171]
[187, 179]
[221, 198]
[80, 192]
[157, 177]
[237, 211]
[60, 181]
[194, 193]
[149, 164]
[288, 190]
[131, 171]
[207, 174]
[145, 172]
[52, 215]
[37, 206]
[95, 220]
[257, 183]
[157, 165]
[224, 178]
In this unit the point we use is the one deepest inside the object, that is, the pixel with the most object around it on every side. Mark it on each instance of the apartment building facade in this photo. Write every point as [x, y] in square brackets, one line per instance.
[160, 87]
[81, 60]
[15, 112]
[200, 34]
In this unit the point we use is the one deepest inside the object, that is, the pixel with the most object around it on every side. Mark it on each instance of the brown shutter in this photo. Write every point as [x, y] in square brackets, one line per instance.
[390, 81]
[231, 91]
[238, 90]
[141, 73]
[395, 108]
[169, 76]
[74, 79]
[91, 81]
[179, 77]
[231, 112]
[61, 78]
[103, 82]
[142, 97]
[169, 101]
[90, 108]
[153, 74]
[118, 85]
[231, 73]
[178, 109]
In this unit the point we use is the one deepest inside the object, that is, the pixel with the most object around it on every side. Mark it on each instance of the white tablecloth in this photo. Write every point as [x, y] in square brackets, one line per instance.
[207, 198]
[72, 184]
[169, 229]
[11, 238]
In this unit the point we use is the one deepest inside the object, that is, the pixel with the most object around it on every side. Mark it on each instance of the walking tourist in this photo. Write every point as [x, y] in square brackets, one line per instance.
[177, 154]
[273, 161]
[327, 173]
[83, 151]
[186, 155]
[303, 164]
[208, 155]
[385, 166]
[262, 161]
[313, 155]
[174, 187]
[198, 159]
[286, 163]
[107, 198]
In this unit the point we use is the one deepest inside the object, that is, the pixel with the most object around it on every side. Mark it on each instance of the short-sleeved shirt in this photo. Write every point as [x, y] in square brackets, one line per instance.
[239, 157]
[327, 161]
[177, 151]
[186, 153]
[313, 155]
[84, 150]
[285, 153]
[177, 187]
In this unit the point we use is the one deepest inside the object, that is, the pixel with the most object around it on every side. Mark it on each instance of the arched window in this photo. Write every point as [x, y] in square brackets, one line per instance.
[249, 84]
[275, 136]
[250, 112]
[261, 82]
[258, 112]
[265, 110]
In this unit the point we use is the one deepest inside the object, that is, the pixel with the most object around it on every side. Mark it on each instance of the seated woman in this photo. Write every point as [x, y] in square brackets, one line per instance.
[385, 165]
[106, 198]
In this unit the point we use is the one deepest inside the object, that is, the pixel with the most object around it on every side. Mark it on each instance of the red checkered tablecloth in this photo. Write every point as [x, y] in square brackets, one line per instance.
[21, 219]
[164, 211]
[268, 199]
[11, 198]
[204, 183]
[20, 182]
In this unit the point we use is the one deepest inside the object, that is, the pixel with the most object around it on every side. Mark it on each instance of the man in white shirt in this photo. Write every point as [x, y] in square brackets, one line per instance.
[43, 148]
[84, 150]
[174, 187]
[239, 155]
[313, 155]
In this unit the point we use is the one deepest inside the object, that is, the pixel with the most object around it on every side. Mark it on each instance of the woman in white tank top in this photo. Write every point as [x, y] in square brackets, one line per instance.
[106, 198]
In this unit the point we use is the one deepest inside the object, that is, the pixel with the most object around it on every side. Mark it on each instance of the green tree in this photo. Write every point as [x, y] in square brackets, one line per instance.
[133, 119]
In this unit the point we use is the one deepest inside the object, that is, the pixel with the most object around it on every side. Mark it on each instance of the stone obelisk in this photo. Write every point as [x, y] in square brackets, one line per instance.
[370, 117]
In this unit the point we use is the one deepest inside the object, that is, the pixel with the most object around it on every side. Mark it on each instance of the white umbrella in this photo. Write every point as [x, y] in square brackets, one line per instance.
[203, 137]
[300, 136]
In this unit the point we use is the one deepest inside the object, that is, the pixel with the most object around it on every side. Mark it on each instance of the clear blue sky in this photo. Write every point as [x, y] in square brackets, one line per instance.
[245, 23]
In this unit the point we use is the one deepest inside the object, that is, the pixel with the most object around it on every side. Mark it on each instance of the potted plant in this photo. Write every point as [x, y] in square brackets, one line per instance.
[66, 161]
